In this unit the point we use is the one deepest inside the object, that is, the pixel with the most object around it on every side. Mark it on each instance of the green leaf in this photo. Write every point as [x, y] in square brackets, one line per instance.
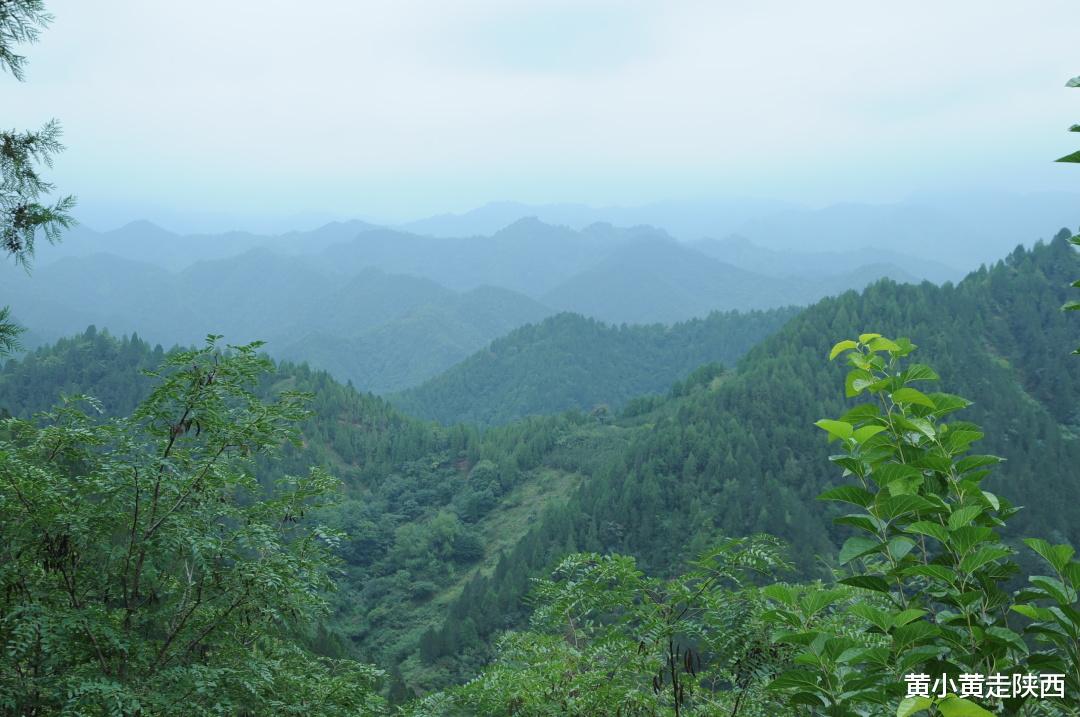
[899, 547]
[861, 521]
[963, 516]
[883, 344]
[1073, 158]
[1057, 555]
[867, 338]
[905, 616]
[915, 425]
[1034, 613]
[947, 403]
[910, 705]
[968, 463]
[911, 395]
[849, 494]
[835, 429]
[1062, 594]
[795, 679]
[926, 527]
[959, 707]
[783, 594]
[920, 372]
[856, 381]
[867, 582]
[982, 556]
[857, 546]
[879, 618]
[841, 347]
[1006, 635]
[913, 633]
[938, 572]
[815, 601]
[897, 505]
[991, 499]
[861, 435]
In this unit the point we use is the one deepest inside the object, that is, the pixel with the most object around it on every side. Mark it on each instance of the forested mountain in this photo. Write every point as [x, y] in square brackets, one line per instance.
[742, 455]
[447, 525]
[425, 506]
[527, 255]
[572, 362]
[384, 309]
[745, 254]
[383, 332]
[423, 341]
[656, 279]
[636, 275]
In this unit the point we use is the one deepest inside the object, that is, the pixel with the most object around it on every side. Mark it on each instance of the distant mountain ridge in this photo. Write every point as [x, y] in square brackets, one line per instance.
[388, 309]
[146, 242]
[961, 230]
[383, 332]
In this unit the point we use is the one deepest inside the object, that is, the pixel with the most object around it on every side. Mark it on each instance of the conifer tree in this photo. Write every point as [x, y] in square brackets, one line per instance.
[24, 208]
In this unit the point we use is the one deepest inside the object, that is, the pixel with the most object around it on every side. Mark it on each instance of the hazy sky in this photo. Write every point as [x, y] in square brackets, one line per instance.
[403, 108]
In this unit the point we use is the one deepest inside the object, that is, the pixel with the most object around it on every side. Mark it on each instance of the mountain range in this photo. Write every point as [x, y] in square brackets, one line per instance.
[447, 525]
[388, 309]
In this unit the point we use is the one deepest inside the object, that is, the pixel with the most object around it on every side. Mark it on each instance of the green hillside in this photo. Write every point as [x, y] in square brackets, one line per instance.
[572, 362]
[741, 454]
[447, 526]
[383, 332]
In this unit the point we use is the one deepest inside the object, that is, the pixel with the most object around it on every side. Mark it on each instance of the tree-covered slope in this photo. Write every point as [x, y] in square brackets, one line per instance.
[425, 507]
[384, 332]
[572, 362]
[740, 454]
[447, 525]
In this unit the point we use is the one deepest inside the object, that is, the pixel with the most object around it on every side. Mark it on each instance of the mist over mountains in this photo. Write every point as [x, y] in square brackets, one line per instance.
[389, 309]
[962, 230]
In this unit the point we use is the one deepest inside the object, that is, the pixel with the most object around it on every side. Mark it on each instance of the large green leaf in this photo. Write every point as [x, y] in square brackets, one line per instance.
[930, 528]
[911, 395]
[857, 381]
[879, 618]
[1057, 555]
[849, 494]
[919, 372]
[959, 707]
[795, 679]
[835, 429]
[982, 556]
[841, 347]
[910, 705]
[898, 505]
[968, 463]
[963, 516]
[881, 343]
[867, 582]
[857, 546]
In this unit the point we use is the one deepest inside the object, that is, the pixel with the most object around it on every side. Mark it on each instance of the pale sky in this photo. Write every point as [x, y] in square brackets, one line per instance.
[395, 110]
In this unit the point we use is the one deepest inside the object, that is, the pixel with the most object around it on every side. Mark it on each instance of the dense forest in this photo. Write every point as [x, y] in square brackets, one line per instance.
[572, 362]
[388, 310]
[612, 473]
[447, 526]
